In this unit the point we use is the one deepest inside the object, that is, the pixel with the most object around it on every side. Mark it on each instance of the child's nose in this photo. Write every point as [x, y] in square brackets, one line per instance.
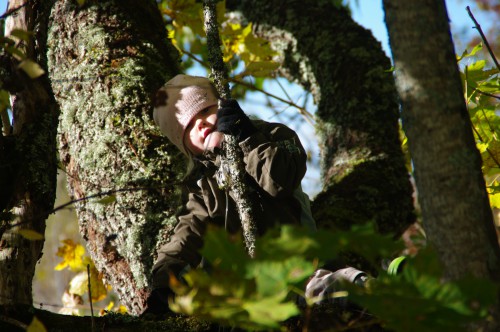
[201, 123]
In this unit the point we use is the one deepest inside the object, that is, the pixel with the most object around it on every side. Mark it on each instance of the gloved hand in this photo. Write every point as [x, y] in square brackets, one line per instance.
[324, 283]
[233, 121]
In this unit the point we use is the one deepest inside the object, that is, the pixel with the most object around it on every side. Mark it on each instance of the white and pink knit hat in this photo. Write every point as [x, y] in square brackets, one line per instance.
[178, 102]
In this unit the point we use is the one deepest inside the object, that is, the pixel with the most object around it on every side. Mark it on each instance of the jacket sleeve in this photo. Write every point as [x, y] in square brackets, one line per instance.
[182, 251]
[275, 158]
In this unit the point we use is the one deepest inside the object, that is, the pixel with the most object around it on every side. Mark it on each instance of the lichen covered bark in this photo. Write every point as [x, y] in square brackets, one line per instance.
[28, 162]
[105, 61]
[344, 67]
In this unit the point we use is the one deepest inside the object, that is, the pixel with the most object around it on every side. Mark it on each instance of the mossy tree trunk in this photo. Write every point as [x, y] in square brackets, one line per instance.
[344, 67]
[105, 60]
[455, 209]
[28, 163]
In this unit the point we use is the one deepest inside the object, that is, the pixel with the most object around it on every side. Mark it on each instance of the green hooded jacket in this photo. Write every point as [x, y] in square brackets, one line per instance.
[275, 164]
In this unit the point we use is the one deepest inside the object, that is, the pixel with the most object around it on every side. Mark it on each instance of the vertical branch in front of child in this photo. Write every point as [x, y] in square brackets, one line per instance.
[233, 157]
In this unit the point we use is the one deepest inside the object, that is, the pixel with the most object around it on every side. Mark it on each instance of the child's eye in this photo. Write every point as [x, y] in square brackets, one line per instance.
[204, 110]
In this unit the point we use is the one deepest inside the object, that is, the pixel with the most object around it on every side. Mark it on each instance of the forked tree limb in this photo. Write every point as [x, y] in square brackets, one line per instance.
[232, 161]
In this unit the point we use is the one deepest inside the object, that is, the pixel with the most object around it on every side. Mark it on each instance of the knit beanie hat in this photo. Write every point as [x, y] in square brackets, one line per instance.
[178, 102]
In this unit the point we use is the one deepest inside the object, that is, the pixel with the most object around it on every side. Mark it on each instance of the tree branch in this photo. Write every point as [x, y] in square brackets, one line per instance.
[478, 27]
[233, 161]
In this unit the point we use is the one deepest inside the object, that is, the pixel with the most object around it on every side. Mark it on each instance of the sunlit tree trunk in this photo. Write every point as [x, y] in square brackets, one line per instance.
[344, 67]
[455, 208]
[28, 164]
[105, 61]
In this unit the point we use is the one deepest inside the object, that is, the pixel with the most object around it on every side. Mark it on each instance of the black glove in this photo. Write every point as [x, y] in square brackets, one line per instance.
[233, 121]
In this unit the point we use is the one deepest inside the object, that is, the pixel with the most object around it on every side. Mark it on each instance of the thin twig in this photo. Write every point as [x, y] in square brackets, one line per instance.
[484, 93]
[308, 116]
[90, 299]
[13, 10]
[478, 27]
[98, 195]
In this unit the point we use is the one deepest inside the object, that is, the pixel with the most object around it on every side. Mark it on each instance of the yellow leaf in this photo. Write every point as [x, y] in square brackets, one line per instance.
[122, 309]
[110, 306]
[98, 289]
[80, 285]
[71, 254]
[495, 200]
[30, 234]
[260, 69]
[31, 68]
[36, 326]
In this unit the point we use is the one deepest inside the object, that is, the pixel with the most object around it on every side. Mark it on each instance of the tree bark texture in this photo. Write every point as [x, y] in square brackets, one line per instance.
[105, 60]
[233, 156]
[28, 164]
[451, 189]
[345, 69]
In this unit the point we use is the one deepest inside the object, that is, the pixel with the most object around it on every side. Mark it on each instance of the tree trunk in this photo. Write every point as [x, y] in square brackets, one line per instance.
[28, 166]
[105, 59]
[451, 189]
[344, 67]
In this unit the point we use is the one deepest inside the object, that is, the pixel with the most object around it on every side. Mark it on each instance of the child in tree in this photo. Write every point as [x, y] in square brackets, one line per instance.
[187, 113]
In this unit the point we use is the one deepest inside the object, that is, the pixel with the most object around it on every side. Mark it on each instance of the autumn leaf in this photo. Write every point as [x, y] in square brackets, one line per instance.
[79, 284]
[71, 254]
[36, 326]
[30, 234]
[31, 68]
[70, 304]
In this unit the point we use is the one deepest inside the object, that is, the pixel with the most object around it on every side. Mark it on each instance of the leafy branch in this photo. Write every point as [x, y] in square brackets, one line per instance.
[483, 37]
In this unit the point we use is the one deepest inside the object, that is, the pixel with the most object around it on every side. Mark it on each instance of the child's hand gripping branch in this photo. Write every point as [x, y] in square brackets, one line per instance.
[233, 121]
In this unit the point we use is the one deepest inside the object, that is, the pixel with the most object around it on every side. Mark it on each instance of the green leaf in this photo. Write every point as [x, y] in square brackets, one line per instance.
[4, 99]
[107, 200]
[396, 265]
[30, 234]
[31, 68]
[15, 52]
[36, 326]
[274, 277]
[7, 41]
[465, 54]
[22, 34]
[226, 253]
[269, 312]
[475, 72]
[81, 2]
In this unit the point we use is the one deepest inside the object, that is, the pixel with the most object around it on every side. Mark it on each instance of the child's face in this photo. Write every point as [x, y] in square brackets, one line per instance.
[200, 134]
